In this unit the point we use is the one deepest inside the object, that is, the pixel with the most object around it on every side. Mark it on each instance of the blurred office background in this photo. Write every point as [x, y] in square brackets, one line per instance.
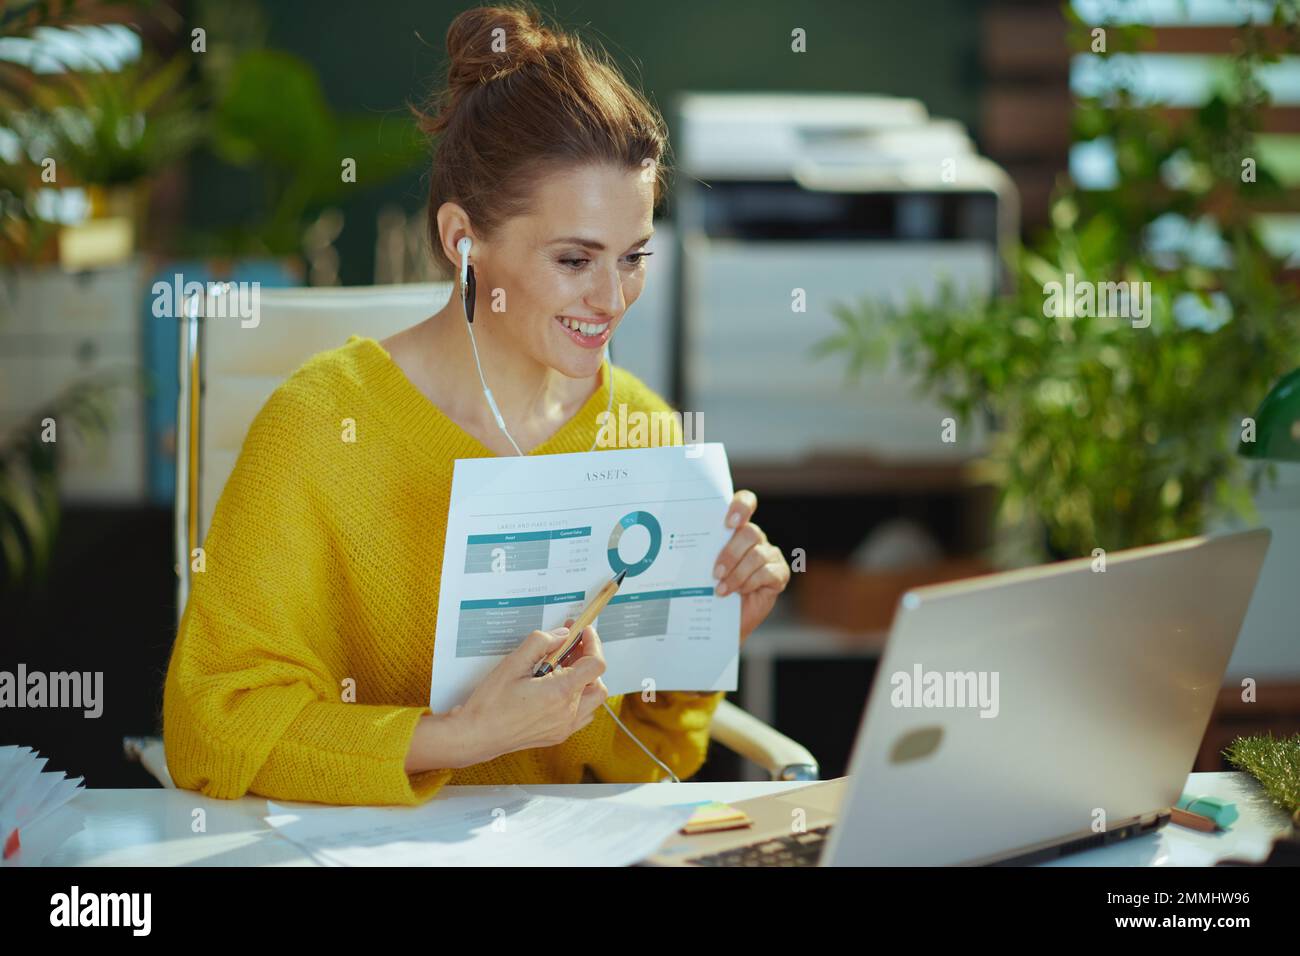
[894, 165]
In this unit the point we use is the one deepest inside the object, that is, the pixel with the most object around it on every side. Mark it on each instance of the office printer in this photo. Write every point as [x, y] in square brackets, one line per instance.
[842, 197]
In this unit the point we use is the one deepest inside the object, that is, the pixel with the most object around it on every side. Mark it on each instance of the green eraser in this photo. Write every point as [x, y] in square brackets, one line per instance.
[1223, 813]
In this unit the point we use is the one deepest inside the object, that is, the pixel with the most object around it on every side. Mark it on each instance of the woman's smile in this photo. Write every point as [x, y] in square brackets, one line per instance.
[586, 332]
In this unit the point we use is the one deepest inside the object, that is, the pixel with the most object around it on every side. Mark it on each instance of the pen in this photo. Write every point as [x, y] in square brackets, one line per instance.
[589, 614]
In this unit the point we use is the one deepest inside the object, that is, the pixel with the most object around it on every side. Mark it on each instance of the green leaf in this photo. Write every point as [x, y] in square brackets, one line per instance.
[273, 110]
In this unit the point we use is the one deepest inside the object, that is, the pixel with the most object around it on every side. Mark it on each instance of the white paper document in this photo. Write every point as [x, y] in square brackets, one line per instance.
[497, 826]
[29, 795]
[531, 539]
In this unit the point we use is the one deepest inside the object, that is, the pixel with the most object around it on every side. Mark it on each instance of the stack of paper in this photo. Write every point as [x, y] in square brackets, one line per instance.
[28, 793]
[496, 826]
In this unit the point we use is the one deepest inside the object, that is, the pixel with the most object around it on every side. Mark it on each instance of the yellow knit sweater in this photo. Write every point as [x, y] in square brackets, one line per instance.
[321, 578]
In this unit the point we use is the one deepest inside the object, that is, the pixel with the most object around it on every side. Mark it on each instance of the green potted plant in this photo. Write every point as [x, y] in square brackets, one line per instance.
[305, 155]
[102, 132]
[1110, 431]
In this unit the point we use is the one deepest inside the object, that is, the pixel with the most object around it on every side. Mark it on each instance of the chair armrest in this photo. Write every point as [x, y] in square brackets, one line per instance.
[149, 753]
[781, 757]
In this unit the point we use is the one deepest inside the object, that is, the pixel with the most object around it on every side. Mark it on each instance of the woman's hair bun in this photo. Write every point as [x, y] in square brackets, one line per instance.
[521, 98]
[486, 43]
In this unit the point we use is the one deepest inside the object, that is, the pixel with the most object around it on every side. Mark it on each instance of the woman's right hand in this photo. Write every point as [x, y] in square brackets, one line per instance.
[512, 710]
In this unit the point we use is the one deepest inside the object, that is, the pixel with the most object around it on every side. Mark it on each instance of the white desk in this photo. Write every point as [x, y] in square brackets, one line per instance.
[153, 827]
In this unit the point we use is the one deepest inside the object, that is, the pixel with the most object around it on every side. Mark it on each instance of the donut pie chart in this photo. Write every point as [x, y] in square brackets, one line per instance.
[646, 520]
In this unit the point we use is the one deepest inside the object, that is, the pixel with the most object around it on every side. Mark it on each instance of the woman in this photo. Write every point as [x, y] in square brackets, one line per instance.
[301, 667]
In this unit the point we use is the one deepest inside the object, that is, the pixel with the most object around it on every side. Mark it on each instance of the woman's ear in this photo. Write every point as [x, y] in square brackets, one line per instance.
[453, 226]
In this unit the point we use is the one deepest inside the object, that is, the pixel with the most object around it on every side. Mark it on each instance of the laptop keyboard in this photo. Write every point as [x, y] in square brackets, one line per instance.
[798, 849]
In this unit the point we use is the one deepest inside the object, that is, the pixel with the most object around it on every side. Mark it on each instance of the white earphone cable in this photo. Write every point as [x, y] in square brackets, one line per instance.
[463, 247]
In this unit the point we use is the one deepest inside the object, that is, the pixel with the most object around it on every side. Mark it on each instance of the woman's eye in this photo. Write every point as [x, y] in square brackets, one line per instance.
[634, 259]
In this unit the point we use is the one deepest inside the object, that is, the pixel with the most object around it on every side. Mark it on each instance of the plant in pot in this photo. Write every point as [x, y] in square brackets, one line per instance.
[105, 131]
[1109, 432]
[281, 155]
[112, 132]
[83, 115]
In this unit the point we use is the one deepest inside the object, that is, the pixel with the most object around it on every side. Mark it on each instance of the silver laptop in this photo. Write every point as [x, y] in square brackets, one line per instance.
[1020, 715]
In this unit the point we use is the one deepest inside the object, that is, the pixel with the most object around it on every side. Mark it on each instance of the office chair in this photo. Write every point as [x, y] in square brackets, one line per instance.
[228, 371]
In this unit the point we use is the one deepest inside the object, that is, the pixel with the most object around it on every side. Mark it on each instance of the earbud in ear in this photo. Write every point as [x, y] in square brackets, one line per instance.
[463, 246]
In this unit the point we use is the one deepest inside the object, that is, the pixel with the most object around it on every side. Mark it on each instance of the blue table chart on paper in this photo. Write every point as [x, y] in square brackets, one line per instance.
[646, 613]
[646, 520]
[494, 627]
[521, 550]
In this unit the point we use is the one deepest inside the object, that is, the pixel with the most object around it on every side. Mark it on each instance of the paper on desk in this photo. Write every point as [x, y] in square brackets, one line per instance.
[530, 539]
[503, 826]
[28, 792]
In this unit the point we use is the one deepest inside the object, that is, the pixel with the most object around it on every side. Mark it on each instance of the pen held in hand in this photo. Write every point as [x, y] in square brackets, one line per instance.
[589, 614]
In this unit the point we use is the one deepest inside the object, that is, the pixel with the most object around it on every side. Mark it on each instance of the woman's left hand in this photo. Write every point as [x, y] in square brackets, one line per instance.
[750, 565]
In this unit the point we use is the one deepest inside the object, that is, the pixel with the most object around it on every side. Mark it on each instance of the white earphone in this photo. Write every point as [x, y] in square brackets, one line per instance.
[463, 246]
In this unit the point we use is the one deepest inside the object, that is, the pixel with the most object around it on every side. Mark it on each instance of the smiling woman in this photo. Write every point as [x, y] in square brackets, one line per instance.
[301, 668]
[550, 164]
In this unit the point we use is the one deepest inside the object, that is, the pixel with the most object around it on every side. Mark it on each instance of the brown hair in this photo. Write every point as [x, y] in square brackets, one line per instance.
[520, 103]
